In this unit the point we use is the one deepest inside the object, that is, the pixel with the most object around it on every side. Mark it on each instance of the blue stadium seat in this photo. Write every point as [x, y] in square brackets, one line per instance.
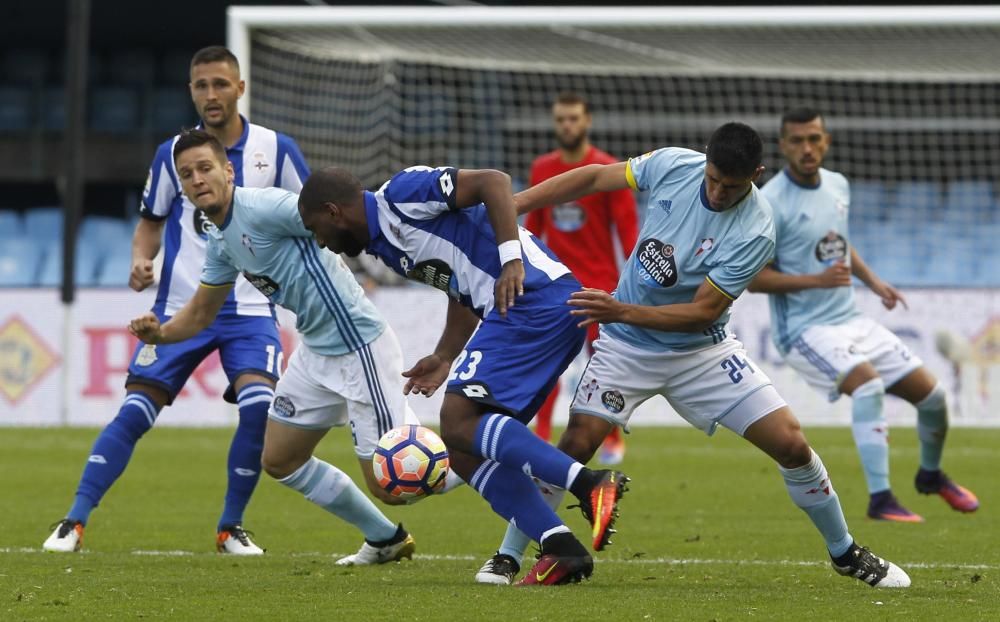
[918, 201]
[171, 110]
[19, 259]
[54, 109]
[117, 265]
[11, 224]
[43, 223]
[88, 263]
[869, 201]
[969, 202]
[25, 66]
[114, 109]
[16, 108]
[103, 230]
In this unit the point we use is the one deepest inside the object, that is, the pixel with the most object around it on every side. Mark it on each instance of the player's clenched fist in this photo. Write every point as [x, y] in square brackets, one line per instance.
[141, 276]
[146, 327]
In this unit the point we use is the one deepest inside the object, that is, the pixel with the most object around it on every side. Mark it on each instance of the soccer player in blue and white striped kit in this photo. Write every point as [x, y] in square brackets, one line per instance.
[245, 333]
[822, 335]
[456, 230]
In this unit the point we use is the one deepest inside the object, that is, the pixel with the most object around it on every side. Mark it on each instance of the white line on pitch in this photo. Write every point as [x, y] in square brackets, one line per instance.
[653, 561]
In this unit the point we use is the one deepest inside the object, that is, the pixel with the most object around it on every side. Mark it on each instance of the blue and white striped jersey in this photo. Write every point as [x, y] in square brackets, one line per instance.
[811, 226]
[263, 239]
[684, 242]
[416, 229]
[261, 158]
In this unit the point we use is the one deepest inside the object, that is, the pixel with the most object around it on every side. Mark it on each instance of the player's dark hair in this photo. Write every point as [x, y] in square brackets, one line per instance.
[735, 149]
[329, 185]
[189, 139]
[570, 98]
[802, 114]
[215, 54]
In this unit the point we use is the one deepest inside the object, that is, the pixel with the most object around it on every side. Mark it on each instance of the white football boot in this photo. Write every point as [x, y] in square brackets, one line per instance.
[235, 540]
[67, 537]
[392, 550]
[498, 570]
[865, 566]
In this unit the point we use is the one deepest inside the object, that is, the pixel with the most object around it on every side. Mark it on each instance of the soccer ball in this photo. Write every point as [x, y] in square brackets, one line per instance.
[410, 462]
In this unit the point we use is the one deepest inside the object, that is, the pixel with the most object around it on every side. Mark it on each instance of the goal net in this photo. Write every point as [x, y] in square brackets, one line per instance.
[910, 96]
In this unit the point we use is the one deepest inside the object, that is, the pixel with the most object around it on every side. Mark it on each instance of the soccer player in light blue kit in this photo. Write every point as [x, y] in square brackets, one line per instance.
[820, 332]
[707, 232]
[245, 333]
[456, 230]
[348, 368]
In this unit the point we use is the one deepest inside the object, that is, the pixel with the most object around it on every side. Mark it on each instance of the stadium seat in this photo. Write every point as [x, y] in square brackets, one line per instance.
[918, 201]
[114, 109]
[11, 224]
[43, 224]
[171, 110]
[969, 201]
[16, 108]
[869, 201]
[19, 259]
[103, 230]
[117, 264]
[54, 109]
[89, 258]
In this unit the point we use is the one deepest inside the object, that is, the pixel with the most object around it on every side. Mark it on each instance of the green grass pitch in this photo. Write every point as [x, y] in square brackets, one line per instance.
[707, 533]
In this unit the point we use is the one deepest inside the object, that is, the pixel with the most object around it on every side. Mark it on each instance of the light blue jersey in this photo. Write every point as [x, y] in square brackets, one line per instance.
[264, 239]
[684, 242]
[811, 227]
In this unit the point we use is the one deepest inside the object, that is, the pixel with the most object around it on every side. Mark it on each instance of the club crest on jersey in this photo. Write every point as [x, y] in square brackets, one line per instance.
[614, 401]
[705, 246]
[435, 273]
[591, 387]
[248, 244]
[832, 247]
[146, 356]
[264, 284]
[284, 407]
[657, 262]
[568, 217]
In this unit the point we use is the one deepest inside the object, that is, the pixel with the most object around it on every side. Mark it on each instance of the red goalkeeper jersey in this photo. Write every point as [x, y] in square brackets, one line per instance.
[580, 233]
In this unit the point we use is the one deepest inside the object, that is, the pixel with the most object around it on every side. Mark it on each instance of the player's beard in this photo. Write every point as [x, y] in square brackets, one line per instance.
[571, 143]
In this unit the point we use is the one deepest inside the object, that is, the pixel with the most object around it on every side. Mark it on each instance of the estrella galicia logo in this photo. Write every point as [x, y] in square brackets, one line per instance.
[657, 262]
[568, 217]
[614, 401]
[283, 407]
[832, 247]
[264, 284]
[201, 223]
[435, 273]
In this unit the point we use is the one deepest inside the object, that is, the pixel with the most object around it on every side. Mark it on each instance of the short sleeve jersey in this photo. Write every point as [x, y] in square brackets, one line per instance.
[811, 230]
[683, 242]
[264, 241]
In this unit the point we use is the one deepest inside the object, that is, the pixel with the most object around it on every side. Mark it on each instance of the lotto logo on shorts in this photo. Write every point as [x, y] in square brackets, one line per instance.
[283, 407]
[613, 401]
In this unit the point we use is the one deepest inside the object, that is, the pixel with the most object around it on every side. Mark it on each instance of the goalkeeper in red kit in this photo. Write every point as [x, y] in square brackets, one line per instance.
[582, 233]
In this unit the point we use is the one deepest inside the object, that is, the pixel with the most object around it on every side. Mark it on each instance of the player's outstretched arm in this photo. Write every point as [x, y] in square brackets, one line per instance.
[193, 318]
[572, 185]
[431, 371]
[145, 245]
[771, 281]
[594, 305]
[889, 294]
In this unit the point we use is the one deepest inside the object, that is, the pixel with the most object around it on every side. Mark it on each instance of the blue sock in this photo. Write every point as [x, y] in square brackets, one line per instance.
[514, 496]
[871, 433]
[932, 427]
[811, 489]
[243, 466]
[508, 441]
[515, 542]
[331, 489]
[111, 453]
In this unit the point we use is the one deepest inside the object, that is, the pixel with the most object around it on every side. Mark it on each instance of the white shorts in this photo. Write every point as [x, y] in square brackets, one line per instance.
[717, 385]
[825, 354]
[363, 388]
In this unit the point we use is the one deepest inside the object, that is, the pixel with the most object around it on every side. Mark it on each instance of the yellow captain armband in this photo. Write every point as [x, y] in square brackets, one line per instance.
[721, 291]
[217, 285]
[629, 177]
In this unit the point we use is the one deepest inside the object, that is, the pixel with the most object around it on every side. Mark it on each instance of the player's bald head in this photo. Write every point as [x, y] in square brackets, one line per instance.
[330, 185]
[736, 149]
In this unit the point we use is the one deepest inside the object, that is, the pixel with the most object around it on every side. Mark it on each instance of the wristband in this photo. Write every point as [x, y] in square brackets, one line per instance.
[509, 251]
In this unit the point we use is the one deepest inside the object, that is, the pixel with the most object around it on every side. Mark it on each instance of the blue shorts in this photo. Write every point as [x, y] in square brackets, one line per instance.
[512, 363]
[246, 344]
